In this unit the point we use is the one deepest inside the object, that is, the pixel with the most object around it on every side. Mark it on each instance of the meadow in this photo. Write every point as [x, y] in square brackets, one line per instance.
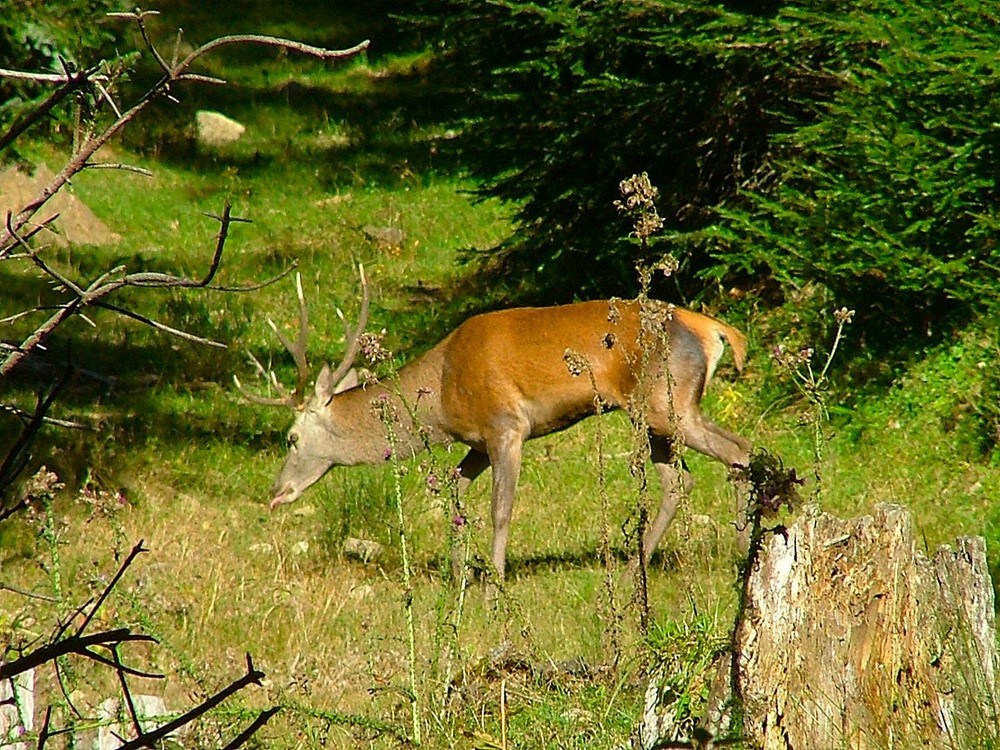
[371, 652]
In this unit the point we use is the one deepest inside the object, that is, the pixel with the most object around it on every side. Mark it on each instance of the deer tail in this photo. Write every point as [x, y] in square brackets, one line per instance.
[737, 342]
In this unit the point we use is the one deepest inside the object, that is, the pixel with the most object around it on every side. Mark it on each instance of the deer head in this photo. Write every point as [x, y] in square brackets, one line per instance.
[310, 444]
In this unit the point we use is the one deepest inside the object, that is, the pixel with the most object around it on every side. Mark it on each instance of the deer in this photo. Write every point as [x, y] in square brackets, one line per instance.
[501, 378]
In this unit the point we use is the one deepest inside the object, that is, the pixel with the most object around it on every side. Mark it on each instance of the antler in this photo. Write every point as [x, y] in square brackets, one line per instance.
[297, 349]
[298, 352]
[353, 339]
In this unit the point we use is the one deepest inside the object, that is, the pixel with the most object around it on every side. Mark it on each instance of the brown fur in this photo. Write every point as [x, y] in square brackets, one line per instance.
[502, 378]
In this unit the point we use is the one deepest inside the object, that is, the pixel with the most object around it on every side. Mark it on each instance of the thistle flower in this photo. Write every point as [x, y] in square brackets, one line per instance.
[638, 194]
[372, 348]
[843, 316]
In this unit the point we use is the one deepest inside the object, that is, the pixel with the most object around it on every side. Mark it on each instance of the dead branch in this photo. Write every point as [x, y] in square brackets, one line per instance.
[107, 283]
[137, 550]
[171, 73]
[69, 85]
[76, 644]
[262, 718]
[83, 644]
[148, 739]
[65, 423]
[18, 456]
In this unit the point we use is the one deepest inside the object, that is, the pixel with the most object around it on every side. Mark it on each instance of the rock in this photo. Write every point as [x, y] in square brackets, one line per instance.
[116, 725]
[17, 710]
[364, 550]
[385, 237]
[76, 225]
[215, 129]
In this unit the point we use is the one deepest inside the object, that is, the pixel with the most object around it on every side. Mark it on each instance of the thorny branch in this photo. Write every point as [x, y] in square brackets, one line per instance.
[75, 644]
[148, 739]
[137, 550]
[81, 644]
[70, 83]
[16, 232]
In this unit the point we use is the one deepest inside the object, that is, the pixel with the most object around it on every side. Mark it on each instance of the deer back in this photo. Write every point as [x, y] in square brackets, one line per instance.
[512, 364]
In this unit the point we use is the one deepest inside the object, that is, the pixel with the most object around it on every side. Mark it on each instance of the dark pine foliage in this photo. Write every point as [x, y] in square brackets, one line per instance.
[852, 146]
[39, 36]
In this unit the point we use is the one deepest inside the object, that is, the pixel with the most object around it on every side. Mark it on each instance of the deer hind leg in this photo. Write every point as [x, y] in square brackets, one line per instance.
[675, 482]
[731, 449]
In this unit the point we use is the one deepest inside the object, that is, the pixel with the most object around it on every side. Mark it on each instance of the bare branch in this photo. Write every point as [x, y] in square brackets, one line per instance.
[18, 456]
[257, 286]
[134, 14]
[43, 733]
[69, 85]
[116, 663]
[27, 594]
[123, 167]
[26, 76]
[220, 244]
[140, 19]
[262, 718]
[104, 285]
[72, 645]
[65, 423]
[137, 550]
[147, 739]
[194, 339]
[270, 41]
[22, 241]
[106, 95]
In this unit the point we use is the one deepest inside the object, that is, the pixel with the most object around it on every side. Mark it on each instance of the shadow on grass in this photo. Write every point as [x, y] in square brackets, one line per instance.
[372, 122]
[585, 558]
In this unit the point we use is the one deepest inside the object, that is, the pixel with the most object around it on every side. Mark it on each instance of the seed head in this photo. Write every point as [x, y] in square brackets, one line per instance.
[843, 316]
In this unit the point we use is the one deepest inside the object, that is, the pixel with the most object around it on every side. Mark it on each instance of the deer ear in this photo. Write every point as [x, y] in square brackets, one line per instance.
[325, 389]
[350, 380]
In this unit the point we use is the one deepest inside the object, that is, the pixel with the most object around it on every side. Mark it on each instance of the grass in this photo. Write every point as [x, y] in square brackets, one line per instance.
[558, 665]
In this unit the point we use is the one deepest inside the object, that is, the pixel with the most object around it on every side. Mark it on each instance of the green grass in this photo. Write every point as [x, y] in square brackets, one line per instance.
[224, 576]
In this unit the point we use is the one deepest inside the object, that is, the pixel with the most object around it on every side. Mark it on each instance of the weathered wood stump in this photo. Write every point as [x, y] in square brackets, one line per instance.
[851, 637]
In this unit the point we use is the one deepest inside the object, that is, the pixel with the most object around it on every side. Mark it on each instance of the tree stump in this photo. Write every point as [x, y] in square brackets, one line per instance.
[850, 637]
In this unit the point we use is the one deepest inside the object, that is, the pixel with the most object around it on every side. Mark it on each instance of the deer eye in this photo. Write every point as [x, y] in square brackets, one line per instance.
[293, 439]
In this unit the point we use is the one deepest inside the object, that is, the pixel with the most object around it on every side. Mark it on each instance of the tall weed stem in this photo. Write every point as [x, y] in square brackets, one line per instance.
[387, 418]
[814, 387]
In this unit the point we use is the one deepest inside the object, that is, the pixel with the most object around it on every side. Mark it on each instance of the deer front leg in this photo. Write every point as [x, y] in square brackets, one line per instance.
[474, 464]
[505, 457]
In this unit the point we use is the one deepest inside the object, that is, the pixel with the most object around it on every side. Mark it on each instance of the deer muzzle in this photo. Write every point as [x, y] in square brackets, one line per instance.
[285, 494]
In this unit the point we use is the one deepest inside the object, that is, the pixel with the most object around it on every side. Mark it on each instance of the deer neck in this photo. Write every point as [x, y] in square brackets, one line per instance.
[399, 415]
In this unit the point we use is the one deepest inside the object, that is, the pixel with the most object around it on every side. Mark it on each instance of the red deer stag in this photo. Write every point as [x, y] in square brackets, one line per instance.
[501, 378]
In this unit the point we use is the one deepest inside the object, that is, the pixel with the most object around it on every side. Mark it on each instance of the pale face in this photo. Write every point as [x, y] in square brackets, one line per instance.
[309, 454]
